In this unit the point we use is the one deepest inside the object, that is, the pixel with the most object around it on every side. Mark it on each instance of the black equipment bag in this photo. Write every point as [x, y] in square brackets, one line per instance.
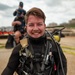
[9, 43]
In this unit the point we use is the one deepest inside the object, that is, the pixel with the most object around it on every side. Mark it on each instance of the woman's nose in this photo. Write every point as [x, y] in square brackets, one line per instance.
[35, 27]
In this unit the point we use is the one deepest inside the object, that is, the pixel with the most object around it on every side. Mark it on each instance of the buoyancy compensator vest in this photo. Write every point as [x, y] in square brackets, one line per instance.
[35, 63]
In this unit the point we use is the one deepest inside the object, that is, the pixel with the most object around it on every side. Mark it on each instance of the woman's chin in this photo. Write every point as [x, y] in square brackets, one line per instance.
[36, 36]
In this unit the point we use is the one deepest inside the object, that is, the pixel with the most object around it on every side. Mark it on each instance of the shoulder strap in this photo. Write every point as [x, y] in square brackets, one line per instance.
[48, 46]
[24, 51]
[24, 42]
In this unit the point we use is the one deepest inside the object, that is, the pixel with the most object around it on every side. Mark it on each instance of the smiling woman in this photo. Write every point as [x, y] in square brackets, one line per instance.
[37, 53]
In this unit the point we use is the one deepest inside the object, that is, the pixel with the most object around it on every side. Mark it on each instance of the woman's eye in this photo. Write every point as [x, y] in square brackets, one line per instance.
[31, 25]
[40, 24]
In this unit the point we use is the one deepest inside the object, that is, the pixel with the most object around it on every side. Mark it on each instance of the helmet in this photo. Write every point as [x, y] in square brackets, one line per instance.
[21, 4]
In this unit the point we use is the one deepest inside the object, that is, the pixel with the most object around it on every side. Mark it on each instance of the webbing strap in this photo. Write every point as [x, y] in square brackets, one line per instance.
[48, 46]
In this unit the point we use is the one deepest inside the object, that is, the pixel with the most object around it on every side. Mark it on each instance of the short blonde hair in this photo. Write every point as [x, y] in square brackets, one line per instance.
[36, 12]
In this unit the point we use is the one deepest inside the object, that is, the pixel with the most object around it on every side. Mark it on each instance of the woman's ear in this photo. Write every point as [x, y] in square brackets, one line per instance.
[45, 25]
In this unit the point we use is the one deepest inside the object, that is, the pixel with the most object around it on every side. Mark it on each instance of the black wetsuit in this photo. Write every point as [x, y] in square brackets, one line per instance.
[37, 45]
[21, 27]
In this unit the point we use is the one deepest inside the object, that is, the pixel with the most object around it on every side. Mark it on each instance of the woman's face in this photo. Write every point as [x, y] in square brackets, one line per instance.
[35, 26]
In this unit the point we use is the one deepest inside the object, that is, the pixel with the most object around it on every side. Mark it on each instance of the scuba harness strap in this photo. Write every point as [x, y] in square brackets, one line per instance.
[48, 58]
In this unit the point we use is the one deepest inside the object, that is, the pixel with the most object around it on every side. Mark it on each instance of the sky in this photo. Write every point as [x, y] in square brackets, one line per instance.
[56, 11]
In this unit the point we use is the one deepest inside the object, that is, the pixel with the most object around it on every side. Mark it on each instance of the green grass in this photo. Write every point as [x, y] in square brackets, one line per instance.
[69, 51]
[2, 45]
[67, 47]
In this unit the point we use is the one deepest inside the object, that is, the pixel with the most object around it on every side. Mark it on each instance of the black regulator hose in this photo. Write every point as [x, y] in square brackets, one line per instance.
[57, 50]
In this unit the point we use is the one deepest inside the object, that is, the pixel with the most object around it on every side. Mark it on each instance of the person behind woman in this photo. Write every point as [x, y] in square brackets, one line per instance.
[19, 25]
[19, 22]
